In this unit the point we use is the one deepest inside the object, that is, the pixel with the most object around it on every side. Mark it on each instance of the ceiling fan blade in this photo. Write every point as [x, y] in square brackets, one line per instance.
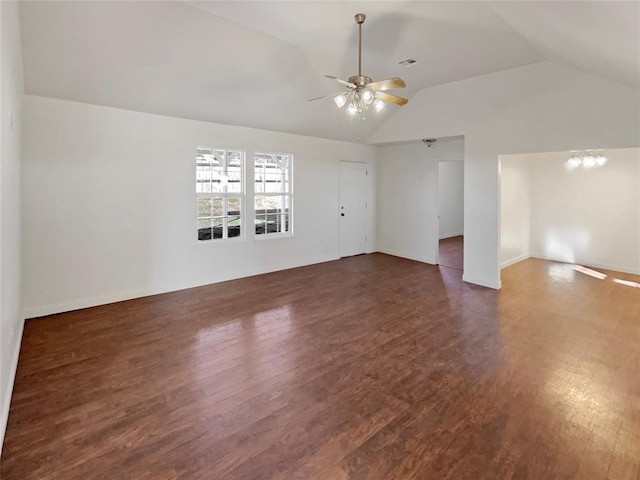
[387, 97]
[318, 98]
[344, 82]
[387, 84]
[327, 96]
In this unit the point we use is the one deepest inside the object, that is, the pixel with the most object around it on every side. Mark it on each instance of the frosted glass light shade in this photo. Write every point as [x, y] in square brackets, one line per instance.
[600, 160]
[352, 109]
[378, 104]
[340, 100]
[367, 96]
[589, 161]
[575, 161]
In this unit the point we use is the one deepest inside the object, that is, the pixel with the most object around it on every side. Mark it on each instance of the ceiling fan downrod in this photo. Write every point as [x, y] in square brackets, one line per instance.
[360, 18]
[360, 80]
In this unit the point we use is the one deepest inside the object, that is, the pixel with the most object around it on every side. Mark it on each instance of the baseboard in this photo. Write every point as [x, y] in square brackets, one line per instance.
[289, 266]
[451, 235]
[396, 253]
[483, 282]
[515, 260]
[6, 401]
[603, 266]
[88, 302]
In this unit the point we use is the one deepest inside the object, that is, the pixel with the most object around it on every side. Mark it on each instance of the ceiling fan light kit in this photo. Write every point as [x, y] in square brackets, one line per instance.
[362, 92]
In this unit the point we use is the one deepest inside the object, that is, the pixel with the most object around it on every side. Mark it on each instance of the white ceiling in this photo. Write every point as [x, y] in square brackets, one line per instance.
[256, 63]
[596, 37]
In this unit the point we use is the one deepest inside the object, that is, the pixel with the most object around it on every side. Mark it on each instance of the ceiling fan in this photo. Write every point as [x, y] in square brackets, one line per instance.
[362, 91]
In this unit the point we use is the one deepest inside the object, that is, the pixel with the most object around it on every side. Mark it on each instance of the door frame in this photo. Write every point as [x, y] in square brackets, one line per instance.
[437, 201]
[366, 211]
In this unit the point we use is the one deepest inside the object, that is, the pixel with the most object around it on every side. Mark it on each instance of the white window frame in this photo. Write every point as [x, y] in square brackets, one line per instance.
[225, 195]
[288, 194]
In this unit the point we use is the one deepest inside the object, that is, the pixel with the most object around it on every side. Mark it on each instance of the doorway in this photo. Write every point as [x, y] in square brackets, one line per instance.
[353, 208]
[451, 214]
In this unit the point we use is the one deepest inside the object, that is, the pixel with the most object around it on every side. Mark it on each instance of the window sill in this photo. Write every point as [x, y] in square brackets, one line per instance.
[271, 236]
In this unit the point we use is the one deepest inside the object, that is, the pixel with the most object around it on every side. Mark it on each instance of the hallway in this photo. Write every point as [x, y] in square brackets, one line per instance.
[451, 252]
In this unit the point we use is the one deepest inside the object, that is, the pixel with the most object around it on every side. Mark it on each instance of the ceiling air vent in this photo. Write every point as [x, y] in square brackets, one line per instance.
[408, 61]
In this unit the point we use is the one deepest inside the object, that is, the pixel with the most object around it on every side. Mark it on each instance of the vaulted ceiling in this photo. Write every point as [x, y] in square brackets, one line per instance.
[256, 63]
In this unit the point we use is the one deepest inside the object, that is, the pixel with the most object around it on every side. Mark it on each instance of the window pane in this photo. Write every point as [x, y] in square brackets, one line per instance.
[262, 203]
[218, 206]
[269, 213]
[283, 161]
[233, 207]
[233, 226]
[217, 158]
[205, 207]
[274, 183]
[203, 178]
[204, 228]
[279, 203]
[234, 182]
[218, 181]
[259, 182]
[218, 227]
[205, 223]
[234, 159]
[261, 224]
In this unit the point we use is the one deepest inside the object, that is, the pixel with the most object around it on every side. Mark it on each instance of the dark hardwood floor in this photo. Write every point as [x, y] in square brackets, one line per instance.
[370, 367]
[451, 252]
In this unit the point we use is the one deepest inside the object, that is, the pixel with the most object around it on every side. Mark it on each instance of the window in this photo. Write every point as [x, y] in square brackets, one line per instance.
[273, 193]
[219, 191]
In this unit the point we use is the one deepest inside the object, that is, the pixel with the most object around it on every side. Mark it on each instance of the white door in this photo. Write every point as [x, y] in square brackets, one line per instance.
[353, 208]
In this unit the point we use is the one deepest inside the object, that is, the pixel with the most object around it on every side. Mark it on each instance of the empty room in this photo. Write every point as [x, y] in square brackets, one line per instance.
[319, 240]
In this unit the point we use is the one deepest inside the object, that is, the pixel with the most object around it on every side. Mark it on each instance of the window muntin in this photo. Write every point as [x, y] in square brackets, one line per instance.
[219, 191]
[273, 193]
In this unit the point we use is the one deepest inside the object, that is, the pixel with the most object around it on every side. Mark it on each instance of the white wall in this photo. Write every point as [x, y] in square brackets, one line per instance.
[12, 88]
[536, 108]
[451, 198]
[515, 209]
[589, 217]
[408, 197]
[109, 204]
[584, 216]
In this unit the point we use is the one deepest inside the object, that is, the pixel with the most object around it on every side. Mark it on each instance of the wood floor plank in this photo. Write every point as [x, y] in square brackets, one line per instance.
[451, 252]
[371, 367]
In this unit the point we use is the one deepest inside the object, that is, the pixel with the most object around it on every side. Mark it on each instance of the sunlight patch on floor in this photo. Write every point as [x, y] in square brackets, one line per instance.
[626, 282]
[590, 272]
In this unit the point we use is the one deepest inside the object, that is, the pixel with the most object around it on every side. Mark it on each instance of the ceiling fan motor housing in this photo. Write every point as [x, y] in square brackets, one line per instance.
[360, 80]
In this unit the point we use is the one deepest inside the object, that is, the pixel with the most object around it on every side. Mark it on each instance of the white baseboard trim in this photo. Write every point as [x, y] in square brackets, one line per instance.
[6, 401]
[496, 285]
[450, 235]
[515, 260]
[396, 253]
[603, 266]
[87, 302]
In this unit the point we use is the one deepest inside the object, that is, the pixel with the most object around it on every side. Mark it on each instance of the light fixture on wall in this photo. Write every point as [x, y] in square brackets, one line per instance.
[587, 159]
